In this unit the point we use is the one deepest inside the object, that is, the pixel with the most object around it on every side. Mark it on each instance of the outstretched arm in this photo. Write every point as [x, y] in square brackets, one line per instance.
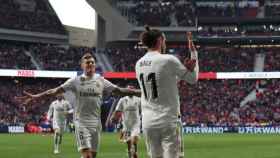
[33, 97]
[192, 64]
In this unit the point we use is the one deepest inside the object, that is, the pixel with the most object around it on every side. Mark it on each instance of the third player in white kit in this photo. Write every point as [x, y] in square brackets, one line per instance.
[157, 75]
[58, 111]
[129, 107]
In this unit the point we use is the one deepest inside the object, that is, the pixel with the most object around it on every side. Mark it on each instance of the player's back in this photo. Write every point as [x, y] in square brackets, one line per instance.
[158, 81]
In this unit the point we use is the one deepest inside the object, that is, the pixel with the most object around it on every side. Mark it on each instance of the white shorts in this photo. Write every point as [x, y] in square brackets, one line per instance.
[131, 132]
[88, 138]
[162, 142]
[59, 126]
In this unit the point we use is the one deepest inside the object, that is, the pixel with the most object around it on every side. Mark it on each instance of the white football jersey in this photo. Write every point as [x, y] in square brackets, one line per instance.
[88, 93]
[130, 106]
[58, 110]
[157, 75]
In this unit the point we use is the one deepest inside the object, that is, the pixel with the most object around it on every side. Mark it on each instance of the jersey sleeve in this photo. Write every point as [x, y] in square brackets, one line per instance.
[50, 111]
[69, 85]
[120, 105]
[138, 100]
[109, 86]
[69, 108]
[181, 72]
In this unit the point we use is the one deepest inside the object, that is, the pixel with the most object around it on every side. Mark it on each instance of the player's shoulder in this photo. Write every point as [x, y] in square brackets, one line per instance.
[170, 57]
[75, 79]
[139, 61]
[54, 102]
[136, 99]
[98, 77]
[65, 101]
[123, 98]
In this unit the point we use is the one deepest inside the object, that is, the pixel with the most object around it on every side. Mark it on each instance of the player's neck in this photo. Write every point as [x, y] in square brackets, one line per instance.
[155, 50]
[89, 75]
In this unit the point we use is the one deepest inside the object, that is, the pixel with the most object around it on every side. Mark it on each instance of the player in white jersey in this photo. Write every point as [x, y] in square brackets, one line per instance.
[129, 108]
[181, 137]
[58, 111]
[88, 89]
[157, 75]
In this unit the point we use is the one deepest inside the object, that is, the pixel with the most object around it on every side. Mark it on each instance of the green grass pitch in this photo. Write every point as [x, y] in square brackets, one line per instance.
[196, 146]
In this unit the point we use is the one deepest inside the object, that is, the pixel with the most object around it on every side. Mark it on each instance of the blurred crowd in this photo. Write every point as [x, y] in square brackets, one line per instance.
[12, 56]
[160, 13]
[48, 57]
[215, 59]
[123, 59]
[184, 12]
[207, 103]
[32, 15]
[53, 57]
[272, 59]
[14, 112]
[217, 103]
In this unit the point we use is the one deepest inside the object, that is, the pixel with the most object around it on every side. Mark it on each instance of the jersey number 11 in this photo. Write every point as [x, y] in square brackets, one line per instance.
[151, 78]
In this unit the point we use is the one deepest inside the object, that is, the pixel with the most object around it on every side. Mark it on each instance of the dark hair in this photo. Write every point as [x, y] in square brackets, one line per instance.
[87, 56]
[150, 36]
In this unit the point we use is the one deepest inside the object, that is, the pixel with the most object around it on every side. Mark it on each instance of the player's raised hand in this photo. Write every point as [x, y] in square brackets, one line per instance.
[190, 42]
[27, 98]
[189, 36]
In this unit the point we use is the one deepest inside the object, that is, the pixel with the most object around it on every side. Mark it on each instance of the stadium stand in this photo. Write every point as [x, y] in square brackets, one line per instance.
[160, 13]
[211, 59]
[52, 57]
[15, 55]
[12, 56]
[34, 15]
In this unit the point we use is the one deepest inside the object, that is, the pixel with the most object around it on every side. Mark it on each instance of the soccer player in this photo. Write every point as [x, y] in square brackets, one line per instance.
[88, 89]
[157, 74]
[58, 111]
[129, 108]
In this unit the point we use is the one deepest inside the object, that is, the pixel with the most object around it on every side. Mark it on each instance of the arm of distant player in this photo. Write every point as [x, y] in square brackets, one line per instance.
[116, 116]
[50, 112]
[69, 110]
[192, 64]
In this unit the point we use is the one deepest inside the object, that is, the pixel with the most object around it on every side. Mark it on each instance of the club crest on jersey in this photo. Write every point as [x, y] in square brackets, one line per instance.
[97, 85]
[82, 79]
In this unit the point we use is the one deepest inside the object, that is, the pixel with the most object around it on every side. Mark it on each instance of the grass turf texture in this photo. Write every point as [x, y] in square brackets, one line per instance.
[196, 146]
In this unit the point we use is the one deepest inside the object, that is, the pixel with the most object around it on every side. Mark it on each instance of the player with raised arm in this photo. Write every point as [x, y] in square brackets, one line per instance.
[157, 74]
[88, 90]
[58, 111]
[129, 108]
